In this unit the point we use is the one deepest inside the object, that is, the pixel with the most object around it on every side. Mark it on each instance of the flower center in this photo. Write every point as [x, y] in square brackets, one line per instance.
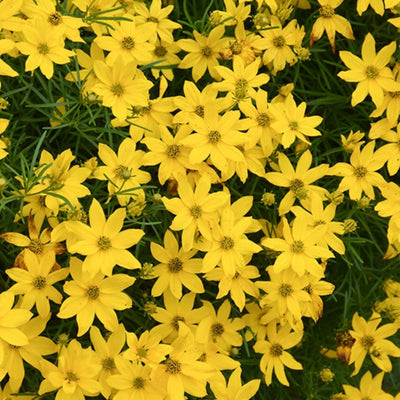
[360, 172]
[39, 282]
[236, 48]
[297, 246]
[71, 377]
[43, 48]
[175, 321]
[199, 110]
[206, 51]
[173, 367]
[262, 119]
[279, 41]
[294, 125]
[35, 246]
[276, 350]
[108, 363]
[117, 89]
[138, 383]
[327, 11]
[371, 72]
[367, 341]
[128, 43]
[297, 187]
[214, 137]
[217, 329]
[160, 51]
[285, 290]
[152, 19]
[93, 292]
[104, 243]
[141, 352]
[227, 243]
[123, 172]
[196, 211]
[175, 265]
[173, 151]
[55, 18]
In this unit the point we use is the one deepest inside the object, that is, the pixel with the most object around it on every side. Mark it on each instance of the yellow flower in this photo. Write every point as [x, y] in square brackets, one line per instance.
[107, 351]
[36, 282]
[352, 140]
[203, 52]
[127, 43]
[133, 381]
[11, 321]
[234, 390]
[8, 10]
[330, 22]
[121, 86]
[360, 175]
[195, 210]
[219, 327]
[377, 5]
[6, 45]
[234, 14]
[298, 249]
[299, 181]
[290, 120]
[370, 71]
[90, 296]
[76, 373]
[154, 20]
[177, 268]
[122, 170]
[103, 243]
[229, 245]
[241, 81]
[370, 388]
[274, 357]
[391, 152]
[164, 55]
[32, 352]
[44, 46]
[369, 339]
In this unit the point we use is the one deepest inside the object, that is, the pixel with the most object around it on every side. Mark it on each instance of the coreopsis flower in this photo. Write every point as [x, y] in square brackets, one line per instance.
[390, 207]
[370, 388]
[370, 71]
[290, 120]
[203, 52]
[121, 86]
[257, 319]
[103, 243]
[234, 14]
[11, 320]
[47, 10]
[285, 293]
[127, 42]
[195, 210]
[234, 390]
[8, 11]
[75, 376]
[377, 5]
[107, 351]
[229, 245]
[352, 140]
[360, 175]
[274, 357]
[298, 249]
[164, 56]
[369, 339]
[133, 381]
[298, 181]
[176, 311]
[146, 348]
[122, 170]
[219, 327]
[277, 44]
[216, 137]
[330, 22]
[237, 285]
[169, 153]
[241, 81]
[6, 45]
[43, 46]
[32, 352]
[36, 281]
[177, 268]
[320, 216]
[390, 152]
[155, 20]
